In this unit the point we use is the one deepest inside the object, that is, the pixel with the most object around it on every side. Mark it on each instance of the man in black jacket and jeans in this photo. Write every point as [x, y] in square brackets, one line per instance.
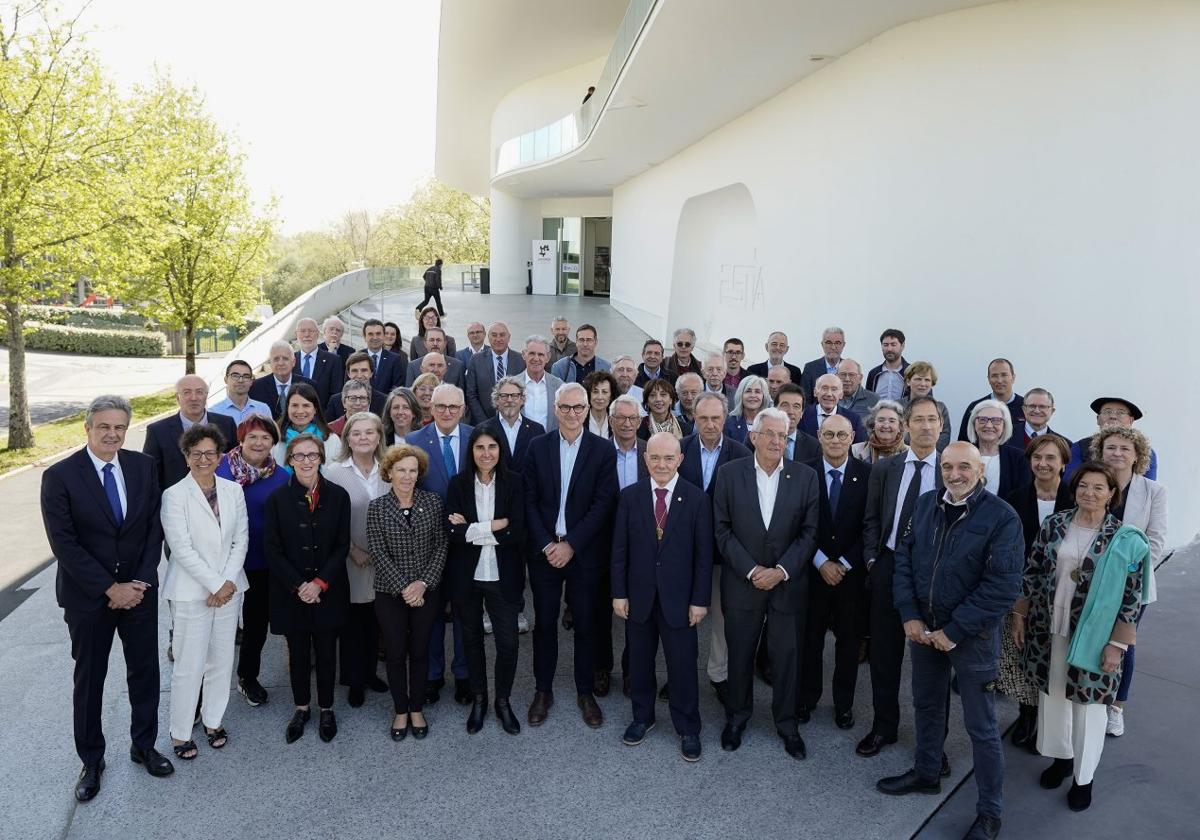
[433, 287]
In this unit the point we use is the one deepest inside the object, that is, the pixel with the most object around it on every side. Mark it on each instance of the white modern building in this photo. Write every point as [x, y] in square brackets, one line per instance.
[1015, 179]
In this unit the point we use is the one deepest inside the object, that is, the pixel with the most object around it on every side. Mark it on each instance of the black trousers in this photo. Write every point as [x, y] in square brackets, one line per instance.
[887, 648]
[434, 294]
[255, 620]
[603, 635]
[406, 643]
[358, 645]
[682, 652]
[836, 605]
[547, 584]
[785, 631]
[300, 649]
[503, 613]
[91, 634]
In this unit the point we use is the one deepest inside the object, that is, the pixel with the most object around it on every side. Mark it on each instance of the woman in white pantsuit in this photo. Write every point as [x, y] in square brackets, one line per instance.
[206, 527]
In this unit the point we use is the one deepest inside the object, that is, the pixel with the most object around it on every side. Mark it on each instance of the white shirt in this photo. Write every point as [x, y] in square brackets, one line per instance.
[568, 452]
[600, 427]
[311, 356]
[118, 476]
[537, 401]
[510, 432]
[822, 415]
[1031, 432]
[187, 424]
[991, 473]
[669, 487]
[928, 482]
[820, 557]
[480, 533]
[768, 489]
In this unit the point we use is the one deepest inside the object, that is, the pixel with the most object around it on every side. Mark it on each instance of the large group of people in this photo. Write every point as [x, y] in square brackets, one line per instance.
[361, 502]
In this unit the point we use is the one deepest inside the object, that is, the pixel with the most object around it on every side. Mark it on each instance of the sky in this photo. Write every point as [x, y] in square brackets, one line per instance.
[333, 103]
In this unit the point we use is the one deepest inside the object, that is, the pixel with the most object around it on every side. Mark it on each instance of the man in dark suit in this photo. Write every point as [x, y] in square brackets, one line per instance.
[829, 394]
[452, 370]
[777, 347]
[162, 436]
[765, 518]
[326, 370]
[895, 485]
[833, 341]
[704, 453]
[1001, 377]
[570, 487]
[887, 378]
[100, 507]
[358, 367]
[272, 389]
[1038, 408]
[661, 585]
[514, 430]
[389, 368]
[801, 447]
[651, 367]
[476, 335]
[836, 578]
[486, 368]
[333, 329]
[714, 379]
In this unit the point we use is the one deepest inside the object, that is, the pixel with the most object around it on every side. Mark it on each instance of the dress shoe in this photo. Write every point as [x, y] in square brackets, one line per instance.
[689, 748]
[1056, 773]
[844, 718]
[984, 828]
[253, 691]
[540, 707]
[635, 733]
[377, 685]
[731, 737]
[1026, 728]
[721, 688]
[433, 691]
[358, 696]
[803, 714]
[664, 693]
[794, 745]
[508, 721]
[89, 781]
[1079, 797]
[625, 684]
[399, 733]
[568, 619]
[603, 681]
[872, 744]
[295, 727]
[592, 715]
[478, 713]
[156, 763]
[418, 732]
[327, 728]
[944, 770]
[906, 783]
[462, 692]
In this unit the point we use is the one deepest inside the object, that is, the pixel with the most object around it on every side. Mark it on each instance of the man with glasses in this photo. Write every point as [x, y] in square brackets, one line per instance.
[687, 389]
[625, 371]
[577, 366]
[734, 352]
[1110, 411]
[162, 436]
[476, 333]
[452, 369]
[1039, 408]
[445, 442]
[510, 426]
[273, 388]
[828, 404]
[682, 361]
[833, 342]
[356, 397]
[332, 330]
[777, 348]
[237, 404]
[358, 368]
[571, 489]
[326, 370]
[855, 397]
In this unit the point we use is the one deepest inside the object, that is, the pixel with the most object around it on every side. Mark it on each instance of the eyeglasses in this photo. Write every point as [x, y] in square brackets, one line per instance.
[203, 455]
[779, 436]
[621, 418]
[572, 409]
[301, 457]
[515, 396]
[446, 407]
[241, 377]
[842, 436]
[357, 398]
[683, 344]
[1113, 412]
[1037, 407]
[990, 421]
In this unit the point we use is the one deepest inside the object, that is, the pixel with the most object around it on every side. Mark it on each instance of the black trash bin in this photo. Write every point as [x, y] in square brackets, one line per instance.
[485, 281]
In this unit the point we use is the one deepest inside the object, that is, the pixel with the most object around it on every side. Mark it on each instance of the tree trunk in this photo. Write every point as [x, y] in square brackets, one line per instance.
[20, 425]
[189, 348]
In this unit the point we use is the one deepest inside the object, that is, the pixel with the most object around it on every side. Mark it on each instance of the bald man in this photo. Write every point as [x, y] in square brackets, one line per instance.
[162, 436]
[951, 594]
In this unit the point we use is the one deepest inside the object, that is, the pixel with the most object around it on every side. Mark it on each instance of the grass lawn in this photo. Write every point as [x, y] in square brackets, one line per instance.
[66, 432]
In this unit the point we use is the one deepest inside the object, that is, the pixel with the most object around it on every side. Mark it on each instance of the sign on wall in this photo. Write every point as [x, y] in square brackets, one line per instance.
[545, 275]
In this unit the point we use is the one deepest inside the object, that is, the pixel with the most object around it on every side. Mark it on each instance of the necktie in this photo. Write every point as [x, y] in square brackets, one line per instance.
[375, 362]
[499, 368]
[660, 510]
[835, 490]
[281, 403]
[114, 497]
[306, 370]
[448, 455]
[791, 449]
[910, 497]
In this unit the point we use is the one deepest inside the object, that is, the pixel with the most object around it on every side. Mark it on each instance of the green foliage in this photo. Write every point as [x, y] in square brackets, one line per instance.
[92, 342]
[105, 319]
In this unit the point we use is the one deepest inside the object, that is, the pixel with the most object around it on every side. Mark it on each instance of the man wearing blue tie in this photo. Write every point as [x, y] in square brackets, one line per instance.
[661, 584]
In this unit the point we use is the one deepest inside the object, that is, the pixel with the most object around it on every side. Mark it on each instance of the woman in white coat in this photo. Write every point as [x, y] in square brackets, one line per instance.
[207, 530]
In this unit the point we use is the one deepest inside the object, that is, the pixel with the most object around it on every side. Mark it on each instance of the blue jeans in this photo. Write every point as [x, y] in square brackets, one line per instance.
[975, 660]
[1127, 663]
[437, 650]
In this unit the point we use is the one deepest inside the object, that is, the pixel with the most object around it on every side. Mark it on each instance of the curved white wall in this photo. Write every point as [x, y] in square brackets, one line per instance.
[1017, 179]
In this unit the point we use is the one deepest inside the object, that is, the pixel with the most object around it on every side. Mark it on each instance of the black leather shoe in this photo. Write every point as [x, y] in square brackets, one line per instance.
[635, 733]
[1056, 773]
[358, 696]
[944, 770]
[253, 691]
[418, 732]
[398, 733]
[803, 714]
[295, 727]
[590, 711]
[89, 782]
[1079, 797]
[602, 681]
[872, 744]
[664, 693]
[376, 684]
[508, 720]
[689, 748]
[478, 713]
[462, 692]
[984, 828]
[156, 763]
[540, 707]
[433, 691]
[794, 745]
[1026, 728]
[327, 729]
[731, 737]
[844, 719]
[907, 783]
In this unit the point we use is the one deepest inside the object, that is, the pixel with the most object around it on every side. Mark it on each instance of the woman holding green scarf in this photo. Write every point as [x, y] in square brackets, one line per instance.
[1076, 617]
[304, 416]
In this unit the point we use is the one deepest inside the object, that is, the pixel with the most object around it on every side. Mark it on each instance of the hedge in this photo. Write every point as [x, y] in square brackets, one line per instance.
[72, 316]
[91, 342]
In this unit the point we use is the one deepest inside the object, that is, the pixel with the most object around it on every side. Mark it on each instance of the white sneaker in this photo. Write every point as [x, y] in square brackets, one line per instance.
[487, 624]
[522, 623]
[1116, 721]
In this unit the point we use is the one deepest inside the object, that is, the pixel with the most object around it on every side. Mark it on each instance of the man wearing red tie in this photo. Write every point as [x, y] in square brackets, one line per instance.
[661, 585]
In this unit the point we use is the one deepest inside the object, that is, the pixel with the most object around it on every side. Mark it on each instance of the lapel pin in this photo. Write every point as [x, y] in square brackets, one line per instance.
[679, 498]
[855, 478]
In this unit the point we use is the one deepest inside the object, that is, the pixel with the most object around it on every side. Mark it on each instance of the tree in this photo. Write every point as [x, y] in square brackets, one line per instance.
[65, 202]
[438, 221]
[205, 248]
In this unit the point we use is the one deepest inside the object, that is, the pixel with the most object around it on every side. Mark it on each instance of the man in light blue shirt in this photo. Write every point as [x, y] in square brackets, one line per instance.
[237, 403]
[624, 415]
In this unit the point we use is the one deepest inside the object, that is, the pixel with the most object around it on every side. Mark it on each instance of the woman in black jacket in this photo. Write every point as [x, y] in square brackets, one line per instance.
[487, 531]
[307, 537]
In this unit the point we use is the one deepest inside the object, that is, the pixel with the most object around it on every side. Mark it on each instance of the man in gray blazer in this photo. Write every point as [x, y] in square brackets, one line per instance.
[765, 511]
[540, 385]
[494, 362]
[435, 342]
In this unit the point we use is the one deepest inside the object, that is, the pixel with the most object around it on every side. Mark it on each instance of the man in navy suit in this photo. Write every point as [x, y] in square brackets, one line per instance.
[389, 368]
[358, 367]
[829, 393]
[325, 369]
[570, 490]
[162, 436]
[450, 369]
[514, 430]
[100, 507]
[333, 329]
[776, 347]
[272, 389]
[445, 442]
[476, 333]
[837, 573]
[487, 366]
[661, 585]
[703, 454]
[833, 342]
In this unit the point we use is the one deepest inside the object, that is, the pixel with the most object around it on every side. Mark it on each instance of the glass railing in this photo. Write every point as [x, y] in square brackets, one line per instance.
[568, 133]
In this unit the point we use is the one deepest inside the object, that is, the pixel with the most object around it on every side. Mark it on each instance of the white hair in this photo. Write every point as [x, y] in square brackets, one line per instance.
[770, 414]
[682, 330]
[1005, 414]
[624, 399]
[623, 358]
[537, 339]
[447, 388]
[835, 330]
[279, 345]
[857, 366]
[568, 387]
[746, 382]
[312, 321]
[690, 375]
[107, 402]
[332, 320]
[709, 395]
